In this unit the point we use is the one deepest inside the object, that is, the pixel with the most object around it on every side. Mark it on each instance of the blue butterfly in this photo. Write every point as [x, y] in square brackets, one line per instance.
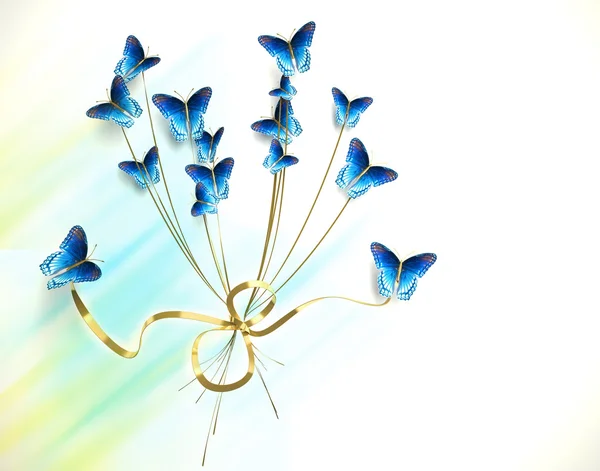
[135, 60]
[183, 112]
[71, 263]
[286, 90]
[286, 52]
[206, 203]
[349, 113]
[282, 126]
[403, 274]
[120, 107]
[145, 171]
[276, 161]
[358, 175]
[207, 145]
[214, 179]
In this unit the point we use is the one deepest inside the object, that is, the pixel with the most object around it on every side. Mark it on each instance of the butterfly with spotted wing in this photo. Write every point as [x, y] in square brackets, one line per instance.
[120, 107]
[293, 54]
[71, 262]
[401, 274]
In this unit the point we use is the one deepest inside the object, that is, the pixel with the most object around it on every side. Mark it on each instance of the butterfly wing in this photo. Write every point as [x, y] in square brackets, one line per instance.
[300, 43]
[200, 173]
[87, 271]
[56, 262]
[283, 110]
[374, 176]
[284, 114]
[134, 61]
[151, 164]
[341, 104]
[133, 55]
[204, 144]
[143, 172]
[206, 202]
[275, 153]
[388, 263]
[272, 128]
[222, 174]
[119, 95]
[286, 90]
[412, 269]
[76, 243]
[358, 161]
[279, 49]
[173, 109]
[356, 107]
[197, 105]
[284, 162]
[207, 145]
[108, 111]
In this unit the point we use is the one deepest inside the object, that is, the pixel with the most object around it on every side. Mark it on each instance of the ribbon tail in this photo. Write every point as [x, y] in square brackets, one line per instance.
[123, 352]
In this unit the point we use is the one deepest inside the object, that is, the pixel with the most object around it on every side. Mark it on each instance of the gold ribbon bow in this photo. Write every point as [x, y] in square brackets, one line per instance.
[236, 323]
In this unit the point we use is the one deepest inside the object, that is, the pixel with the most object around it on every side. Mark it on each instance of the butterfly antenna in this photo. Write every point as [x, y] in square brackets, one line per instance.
[147, 51]
[186, 98]
[282, 37]
[92, 252]
[107, 94]
[292, 35]
[179, 95]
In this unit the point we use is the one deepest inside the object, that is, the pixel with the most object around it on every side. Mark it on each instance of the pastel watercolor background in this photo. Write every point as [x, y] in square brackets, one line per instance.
[488, 111]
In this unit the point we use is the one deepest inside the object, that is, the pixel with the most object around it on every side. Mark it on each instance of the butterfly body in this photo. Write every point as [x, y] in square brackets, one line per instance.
[358, 175]
[120, 108]
[182, 113]
[215, 179]
[397, 274]
[348, 112]
[293, 54]
[283, 126]
[207, 145]
[134, 60]
[143, 172]
[276, 161]
[70, 263]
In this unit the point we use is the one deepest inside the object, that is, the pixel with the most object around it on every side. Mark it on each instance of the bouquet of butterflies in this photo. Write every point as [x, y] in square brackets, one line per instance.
[71, 263]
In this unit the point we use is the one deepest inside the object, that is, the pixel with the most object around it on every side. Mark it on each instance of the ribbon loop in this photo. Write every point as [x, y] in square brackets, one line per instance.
[236, 324]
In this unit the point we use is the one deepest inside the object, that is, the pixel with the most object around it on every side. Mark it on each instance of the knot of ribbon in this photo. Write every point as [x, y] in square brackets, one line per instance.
[244, 327]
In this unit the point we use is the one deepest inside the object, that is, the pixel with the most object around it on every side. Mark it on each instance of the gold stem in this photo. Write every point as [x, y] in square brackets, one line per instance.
[169, 226]
[280, 202]
[267, 236]
[221, 358]
[312, 207]
[307, 257]
[215, 357]
[217, 405]
[214, 255]
[223, 253]
[267, 389]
